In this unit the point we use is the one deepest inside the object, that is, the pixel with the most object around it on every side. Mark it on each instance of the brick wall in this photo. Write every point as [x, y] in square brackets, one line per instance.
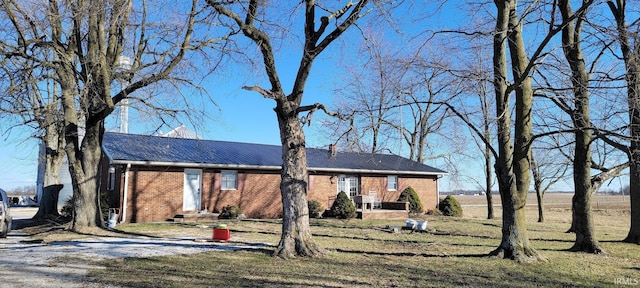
[322, 187]
[156, 194]
[258, 194]
[425, 188]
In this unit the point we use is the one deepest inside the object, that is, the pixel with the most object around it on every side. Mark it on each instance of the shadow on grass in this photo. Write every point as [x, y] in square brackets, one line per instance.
[410, 254]
[492, 225]
[55, 223]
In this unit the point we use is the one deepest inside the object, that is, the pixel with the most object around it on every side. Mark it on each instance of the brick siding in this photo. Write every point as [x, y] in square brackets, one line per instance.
[156, 193]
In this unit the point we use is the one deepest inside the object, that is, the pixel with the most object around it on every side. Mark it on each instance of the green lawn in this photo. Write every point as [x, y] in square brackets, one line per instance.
[452, 254]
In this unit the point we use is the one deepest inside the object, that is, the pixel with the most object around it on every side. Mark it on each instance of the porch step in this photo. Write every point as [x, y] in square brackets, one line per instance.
[195, 218]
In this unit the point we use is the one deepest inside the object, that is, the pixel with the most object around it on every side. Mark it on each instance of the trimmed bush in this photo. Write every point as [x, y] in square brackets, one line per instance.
[315, 209]
[450, 206]
[342, 207]
[230, 212]
[410, 195]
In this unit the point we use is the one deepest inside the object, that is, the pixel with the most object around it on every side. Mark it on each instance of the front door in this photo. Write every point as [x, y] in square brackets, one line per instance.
[192, 188]
[349, 184]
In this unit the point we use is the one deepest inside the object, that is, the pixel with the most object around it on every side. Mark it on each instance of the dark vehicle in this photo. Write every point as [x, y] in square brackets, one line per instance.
[5, 215]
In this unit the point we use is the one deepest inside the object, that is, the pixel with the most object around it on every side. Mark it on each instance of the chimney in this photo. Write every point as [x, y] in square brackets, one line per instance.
[333, 150]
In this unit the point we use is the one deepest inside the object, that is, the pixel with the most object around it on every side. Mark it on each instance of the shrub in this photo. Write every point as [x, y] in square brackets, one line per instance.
[67, 208]
[315, 209]
[230, 212]
[342, 207]
[410, 195]
[450, 206]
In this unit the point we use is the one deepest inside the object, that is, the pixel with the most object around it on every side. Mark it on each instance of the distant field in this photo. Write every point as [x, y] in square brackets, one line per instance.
[557, 207]
[553, 200]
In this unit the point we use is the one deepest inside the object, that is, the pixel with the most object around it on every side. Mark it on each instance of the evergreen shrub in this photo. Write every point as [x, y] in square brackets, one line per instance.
[410, 195]
[315, 209]
[342, 207]
[449, 206]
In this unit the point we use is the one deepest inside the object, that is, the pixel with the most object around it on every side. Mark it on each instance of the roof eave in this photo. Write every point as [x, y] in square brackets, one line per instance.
[369, 171]
[196, 165]
[266, 167]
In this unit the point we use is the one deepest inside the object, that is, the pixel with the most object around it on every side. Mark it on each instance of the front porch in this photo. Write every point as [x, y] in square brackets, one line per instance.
[387, 210]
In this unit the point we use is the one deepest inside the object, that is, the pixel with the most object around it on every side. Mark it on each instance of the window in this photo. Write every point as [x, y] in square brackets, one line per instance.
[229, 180]
[392, 183]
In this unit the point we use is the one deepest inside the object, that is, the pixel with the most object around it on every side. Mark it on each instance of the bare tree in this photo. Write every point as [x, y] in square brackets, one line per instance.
[296, 239]
[426, 86]
[81, 44]
[370, 99]
[395, 93]
[546, 171]
[630, 48]
[581, 118]
[512, 163]
[476, 81]
[38, 107]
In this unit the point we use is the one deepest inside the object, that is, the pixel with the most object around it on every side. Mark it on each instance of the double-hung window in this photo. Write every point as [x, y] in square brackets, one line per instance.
[229, 180]
[392, 183]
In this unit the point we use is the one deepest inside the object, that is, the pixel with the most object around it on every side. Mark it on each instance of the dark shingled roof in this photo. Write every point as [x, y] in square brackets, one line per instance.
[156, 150]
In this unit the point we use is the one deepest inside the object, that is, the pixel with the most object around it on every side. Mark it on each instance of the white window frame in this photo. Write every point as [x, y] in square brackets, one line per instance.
[226, 183]
[393, 187]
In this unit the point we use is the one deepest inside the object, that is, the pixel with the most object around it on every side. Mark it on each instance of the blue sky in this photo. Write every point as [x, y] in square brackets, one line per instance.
[238, 115]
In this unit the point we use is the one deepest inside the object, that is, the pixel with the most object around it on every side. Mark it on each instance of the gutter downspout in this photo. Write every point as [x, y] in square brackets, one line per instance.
[125, 193]
[438, 191]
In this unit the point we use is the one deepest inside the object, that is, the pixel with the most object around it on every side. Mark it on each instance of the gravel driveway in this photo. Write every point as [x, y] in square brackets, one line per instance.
[27, 263]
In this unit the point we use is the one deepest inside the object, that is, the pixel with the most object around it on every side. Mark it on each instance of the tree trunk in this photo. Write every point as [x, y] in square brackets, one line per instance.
[54, 144]
[48, 204]
[634, 195]
[582, 223]
[540, 197]
[537, 186]
[488, 168]
[515, 243]
[512, 165]
[87, 203]
[488, 184]
[54, 154]
[631, 57]
[296, 238]
[633, 82]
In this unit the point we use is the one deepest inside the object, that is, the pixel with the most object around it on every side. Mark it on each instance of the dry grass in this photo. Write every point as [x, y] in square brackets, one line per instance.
[452, 254]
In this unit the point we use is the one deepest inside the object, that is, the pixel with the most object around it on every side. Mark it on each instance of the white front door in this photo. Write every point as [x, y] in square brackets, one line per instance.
[349, 184]
[192, 188]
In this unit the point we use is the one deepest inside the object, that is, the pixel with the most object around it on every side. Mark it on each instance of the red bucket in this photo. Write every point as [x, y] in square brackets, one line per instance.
[221, 233]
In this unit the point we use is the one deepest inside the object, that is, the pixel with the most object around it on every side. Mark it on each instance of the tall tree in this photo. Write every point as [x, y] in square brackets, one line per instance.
[369, 98]
[296, 238]
[29, 104]
[512, 163]
[580, 116]
[81, 43]
[630, 48]
[546, 173]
